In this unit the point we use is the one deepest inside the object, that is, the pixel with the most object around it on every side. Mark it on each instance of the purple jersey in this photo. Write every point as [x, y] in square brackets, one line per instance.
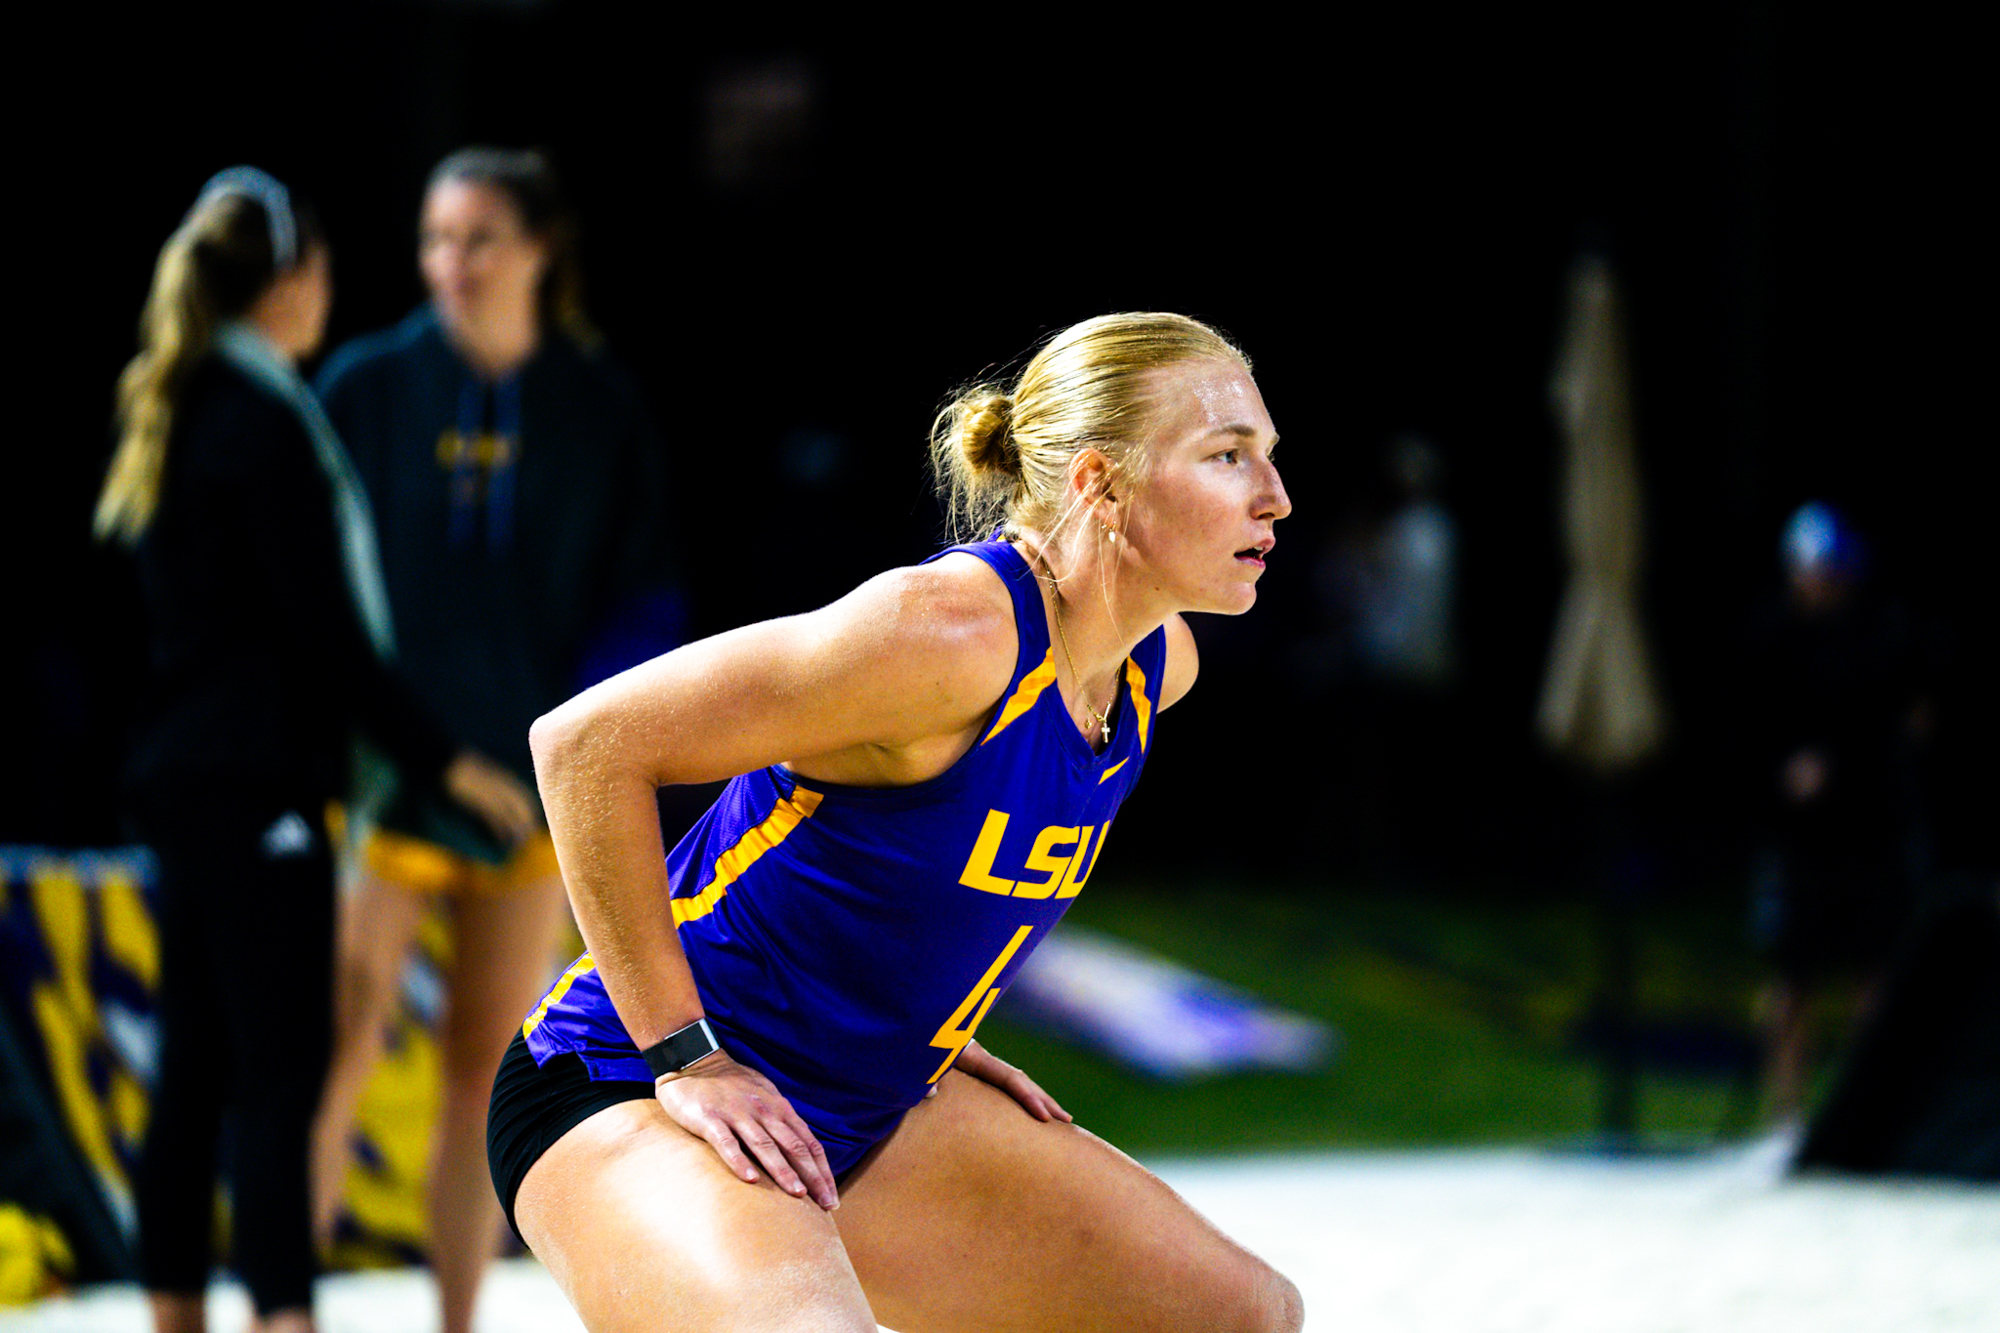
[847, 941]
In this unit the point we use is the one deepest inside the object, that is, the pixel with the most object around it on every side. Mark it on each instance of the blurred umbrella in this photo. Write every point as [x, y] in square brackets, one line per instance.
[1600, 705]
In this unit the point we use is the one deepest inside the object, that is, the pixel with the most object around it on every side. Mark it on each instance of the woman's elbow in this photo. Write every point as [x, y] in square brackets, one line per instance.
[557, 740]
[589, 740]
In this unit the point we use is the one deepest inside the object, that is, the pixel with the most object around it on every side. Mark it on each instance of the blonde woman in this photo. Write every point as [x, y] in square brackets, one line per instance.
[758, 1102]
[268, 635]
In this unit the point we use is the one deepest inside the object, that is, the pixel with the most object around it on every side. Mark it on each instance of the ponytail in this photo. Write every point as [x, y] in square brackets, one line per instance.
[241, 232]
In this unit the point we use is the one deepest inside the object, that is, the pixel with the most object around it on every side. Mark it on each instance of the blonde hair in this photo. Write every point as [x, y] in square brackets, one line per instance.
[1001, 456]
[212, 268]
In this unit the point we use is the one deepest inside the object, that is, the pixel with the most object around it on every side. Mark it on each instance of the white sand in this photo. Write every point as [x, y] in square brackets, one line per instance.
[1500, 1242]
[1459, 1242]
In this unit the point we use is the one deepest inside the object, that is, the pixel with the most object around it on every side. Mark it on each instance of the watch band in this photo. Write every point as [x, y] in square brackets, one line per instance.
[678, 1050]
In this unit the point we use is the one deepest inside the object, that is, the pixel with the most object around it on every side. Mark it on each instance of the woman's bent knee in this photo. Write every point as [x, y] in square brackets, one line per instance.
[1264, 1300]
[1292, 1307]
[1279, 1308]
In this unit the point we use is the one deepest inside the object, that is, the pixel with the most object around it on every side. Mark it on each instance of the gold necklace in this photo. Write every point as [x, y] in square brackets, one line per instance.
[1103, 719]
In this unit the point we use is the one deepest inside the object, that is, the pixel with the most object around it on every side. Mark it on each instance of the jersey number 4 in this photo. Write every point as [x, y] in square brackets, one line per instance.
[957, 1031]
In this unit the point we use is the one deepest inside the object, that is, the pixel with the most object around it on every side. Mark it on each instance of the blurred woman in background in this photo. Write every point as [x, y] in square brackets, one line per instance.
[516, 483]
[268, 632]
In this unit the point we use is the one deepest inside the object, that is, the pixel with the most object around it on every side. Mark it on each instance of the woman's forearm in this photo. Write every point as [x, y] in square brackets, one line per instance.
[605, 821]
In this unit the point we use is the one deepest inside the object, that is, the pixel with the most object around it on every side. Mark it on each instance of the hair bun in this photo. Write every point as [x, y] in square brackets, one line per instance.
[1001, 459]
[985, 432]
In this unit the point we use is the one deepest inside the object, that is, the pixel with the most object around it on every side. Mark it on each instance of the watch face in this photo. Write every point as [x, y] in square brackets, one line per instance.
[674, 1053]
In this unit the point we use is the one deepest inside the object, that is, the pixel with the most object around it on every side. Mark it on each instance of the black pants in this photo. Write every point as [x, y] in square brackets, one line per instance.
[246, 1028]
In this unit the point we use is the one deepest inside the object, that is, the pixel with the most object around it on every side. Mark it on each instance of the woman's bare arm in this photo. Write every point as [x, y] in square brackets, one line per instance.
[906, 662]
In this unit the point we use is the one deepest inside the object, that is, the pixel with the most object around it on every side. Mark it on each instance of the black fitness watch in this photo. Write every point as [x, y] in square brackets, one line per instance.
[676, 1051]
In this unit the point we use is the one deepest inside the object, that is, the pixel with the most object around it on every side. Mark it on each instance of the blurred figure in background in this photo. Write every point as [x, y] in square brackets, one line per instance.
[268, 629]
[1385, 658]
[1403, 621]
[1835, 703]
[517, 486]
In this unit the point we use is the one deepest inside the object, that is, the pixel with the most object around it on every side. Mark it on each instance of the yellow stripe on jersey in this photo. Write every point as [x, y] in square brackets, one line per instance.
[729, 867]
[1024, 697]
[1113, 769]
[580, 967]
[1141, 706]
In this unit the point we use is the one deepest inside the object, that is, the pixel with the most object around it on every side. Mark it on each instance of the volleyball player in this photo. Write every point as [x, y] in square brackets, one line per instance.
[758, 1101]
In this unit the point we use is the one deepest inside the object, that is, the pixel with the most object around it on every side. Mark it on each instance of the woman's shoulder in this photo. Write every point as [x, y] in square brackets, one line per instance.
[935, 640]
[415, 340]
[227, 421]
[956, 602]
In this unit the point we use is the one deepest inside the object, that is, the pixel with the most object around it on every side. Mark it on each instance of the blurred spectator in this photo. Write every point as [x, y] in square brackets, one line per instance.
[1407, 577]
[268, 627]
[1383, 657]
[1833, 694]
[518, 485]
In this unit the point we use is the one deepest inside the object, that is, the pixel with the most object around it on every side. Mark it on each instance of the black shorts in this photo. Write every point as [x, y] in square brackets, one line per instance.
[534, 1105]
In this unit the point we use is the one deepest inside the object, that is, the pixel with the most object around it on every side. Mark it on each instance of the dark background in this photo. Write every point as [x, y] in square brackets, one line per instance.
[802, 236]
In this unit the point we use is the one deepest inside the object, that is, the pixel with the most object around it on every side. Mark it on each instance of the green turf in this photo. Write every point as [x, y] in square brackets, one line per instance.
[1460, 1017]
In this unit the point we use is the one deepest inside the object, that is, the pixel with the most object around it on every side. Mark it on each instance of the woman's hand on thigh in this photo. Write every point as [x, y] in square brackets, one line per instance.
[735, 1108]
[987, 1067]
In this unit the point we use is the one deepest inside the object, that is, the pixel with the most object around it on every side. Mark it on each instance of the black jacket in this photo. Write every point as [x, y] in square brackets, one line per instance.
[497, 606]
[261, 670]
